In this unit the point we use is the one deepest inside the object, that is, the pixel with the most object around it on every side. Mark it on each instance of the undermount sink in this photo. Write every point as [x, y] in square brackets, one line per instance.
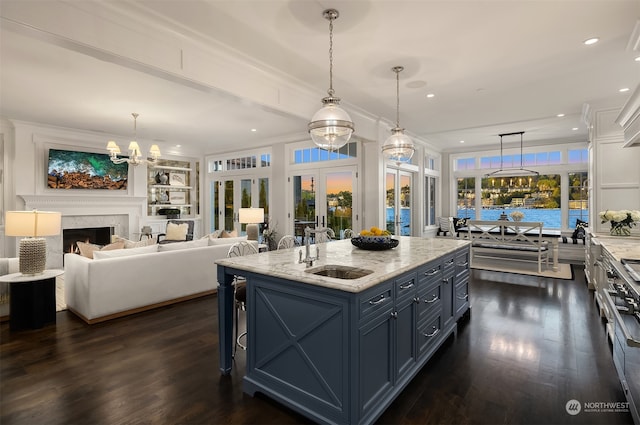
[339, 272]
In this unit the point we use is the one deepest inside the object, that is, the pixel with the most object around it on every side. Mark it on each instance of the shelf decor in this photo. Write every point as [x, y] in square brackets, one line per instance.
[177, 179]
[621, 221]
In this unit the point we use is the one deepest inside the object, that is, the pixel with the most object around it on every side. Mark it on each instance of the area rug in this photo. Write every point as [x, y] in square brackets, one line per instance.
[527, 268]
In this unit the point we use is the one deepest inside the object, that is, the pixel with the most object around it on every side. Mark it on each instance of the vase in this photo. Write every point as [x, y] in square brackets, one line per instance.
[619, 229]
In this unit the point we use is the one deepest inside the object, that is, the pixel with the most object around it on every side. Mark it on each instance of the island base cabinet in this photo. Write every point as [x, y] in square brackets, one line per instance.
[341, 357]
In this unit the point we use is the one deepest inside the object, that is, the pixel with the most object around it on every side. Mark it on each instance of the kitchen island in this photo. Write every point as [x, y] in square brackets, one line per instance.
[339, 350]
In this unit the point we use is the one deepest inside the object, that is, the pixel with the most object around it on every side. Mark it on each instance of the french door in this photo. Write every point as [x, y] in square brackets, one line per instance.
[230, 194]
[398, 201]
[323, 198]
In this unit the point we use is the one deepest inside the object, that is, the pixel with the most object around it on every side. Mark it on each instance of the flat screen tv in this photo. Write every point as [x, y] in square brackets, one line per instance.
[85, 170]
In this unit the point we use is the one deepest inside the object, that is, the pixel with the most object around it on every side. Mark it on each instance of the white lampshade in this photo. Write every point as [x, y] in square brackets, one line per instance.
[331, 127]
[113, 147]
[251, 215]
[154, 151]
[134, 149]
[398, 147]
[32, 223]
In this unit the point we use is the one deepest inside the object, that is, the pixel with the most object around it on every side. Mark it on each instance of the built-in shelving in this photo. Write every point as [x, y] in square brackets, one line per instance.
[172, 184]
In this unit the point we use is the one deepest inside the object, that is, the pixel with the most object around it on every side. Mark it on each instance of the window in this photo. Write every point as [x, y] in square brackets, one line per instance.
[578, 198]
[430, 200]
[467, 163]
[466, 197]
[578, 156]
[537, 197]
[315, 154]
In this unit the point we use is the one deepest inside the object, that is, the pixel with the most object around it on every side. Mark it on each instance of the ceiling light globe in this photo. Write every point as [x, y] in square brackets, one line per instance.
[331, 127]
[398, 147]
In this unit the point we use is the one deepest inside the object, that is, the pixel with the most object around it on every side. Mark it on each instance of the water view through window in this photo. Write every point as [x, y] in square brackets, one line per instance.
[538, 198]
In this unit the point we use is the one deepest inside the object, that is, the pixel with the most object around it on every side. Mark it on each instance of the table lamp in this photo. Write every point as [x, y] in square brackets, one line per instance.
[251, 217]
[33, 225]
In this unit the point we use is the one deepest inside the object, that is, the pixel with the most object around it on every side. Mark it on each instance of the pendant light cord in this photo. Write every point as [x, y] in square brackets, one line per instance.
[397, 99]
[330, 91]
[135, 126]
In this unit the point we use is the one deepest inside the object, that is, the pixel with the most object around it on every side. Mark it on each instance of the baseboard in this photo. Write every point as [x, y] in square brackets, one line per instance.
[140, 309]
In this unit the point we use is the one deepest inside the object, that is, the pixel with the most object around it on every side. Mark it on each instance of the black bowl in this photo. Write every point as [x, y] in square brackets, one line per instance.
[374, 246]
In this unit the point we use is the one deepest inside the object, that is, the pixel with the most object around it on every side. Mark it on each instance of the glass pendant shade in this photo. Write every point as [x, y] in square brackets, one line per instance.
[398, 147]
[331, 127]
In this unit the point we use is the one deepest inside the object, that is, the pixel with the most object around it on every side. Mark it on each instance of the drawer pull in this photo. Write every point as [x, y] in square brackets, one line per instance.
[434, 299]
[407, 286]
[416, 299]
[465, 264]
[432, 334]
[394, 315]
[463, 297]
[449, 263]
[380, 300]
[431, 272]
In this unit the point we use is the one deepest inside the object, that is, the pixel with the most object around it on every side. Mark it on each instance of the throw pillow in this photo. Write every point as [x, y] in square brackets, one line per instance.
[231, 234]
[177, 232]
[226, 241]
[133, 244]
[459, 222]
[579, 232]
[101, 255]
[183, 245]
[87, 249]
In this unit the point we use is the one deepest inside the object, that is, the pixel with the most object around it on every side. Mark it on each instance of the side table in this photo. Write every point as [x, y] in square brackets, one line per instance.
[32, 299]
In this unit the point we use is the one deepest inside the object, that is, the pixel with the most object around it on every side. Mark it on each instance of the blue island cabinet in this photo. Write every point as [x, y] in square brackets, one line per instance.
[343, 357]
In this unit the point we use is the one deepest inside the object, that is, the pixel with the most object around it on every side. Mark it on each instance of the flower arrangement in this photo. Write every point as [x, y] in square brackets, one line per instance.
[621, 221]
[517, 215]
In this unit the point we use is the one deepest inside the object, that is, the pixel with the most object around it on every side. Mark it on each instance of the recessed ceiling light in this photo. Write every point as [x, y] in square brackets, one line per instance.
[430, 95]
[591, 41]
[253, 130]
[624, 89]
[637, 59]
[461, 141]
[575, 129]
[178, 146]
[560, 115]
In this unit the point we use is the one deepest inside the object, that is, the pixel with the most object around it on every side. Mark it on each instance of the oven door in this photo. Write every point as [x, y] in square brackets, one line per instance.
[626, 355]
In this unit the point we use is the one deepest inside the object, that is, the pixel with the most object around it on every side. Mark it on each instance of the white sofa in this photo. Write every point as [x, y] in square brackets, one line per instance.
[7, 266]
[105, 288]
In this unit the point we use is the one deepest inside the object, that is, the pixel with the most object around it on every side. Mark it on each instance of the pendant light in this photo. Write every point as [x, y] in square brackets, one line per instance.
[398, 147]
[331, 127]
[512, 172]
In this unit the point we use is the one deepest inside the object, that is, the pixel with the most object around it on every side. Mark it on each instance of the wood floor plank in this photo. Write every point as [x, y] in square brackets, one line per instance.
[529, 346]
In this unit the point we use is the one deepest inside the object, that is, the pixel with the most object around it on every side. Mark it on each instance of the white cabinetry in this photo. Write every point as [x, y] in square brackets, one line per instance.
[172, 184]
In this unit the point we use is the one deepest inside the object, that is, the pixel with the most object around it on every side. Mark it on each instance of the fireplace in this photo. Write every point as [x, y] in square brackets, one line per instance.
[94, 235]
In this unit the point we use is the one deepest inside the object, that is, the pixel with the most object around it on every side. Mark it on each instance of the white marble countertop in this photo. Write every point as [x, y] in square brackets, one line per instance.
[410, 253]
[620, 246]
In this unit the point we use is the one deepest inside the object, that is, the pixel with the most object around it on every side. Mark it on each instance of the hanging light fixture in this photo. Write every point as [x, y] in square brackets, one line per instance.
[515, 172]
[331, 127]
[398, 147]
[135, 155]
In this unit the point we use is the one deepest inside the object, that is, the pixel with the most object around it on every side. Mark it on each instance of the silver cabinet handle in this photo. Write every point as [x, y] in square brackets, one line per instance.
[416, 299]
[432, 334]
[434, 299]
[410, 285]
[394, 315]
[465, 264]
[463, 297]
[448, 263]
[380, 300]
[431, 272]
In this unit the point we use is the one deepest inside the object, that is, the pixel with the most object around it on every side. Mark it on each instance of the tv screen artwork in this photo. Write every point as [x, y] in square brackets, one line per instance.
[85, 170]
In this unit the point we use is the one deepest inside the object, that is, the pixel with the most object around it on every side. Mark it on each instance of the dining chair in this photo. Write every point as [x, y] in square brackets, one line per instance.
[240, 249]
[288, 241]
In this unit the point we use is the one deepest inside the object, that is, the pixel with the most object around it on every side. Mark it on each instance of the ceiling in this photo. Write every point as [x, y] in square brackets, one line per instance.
[494, 67]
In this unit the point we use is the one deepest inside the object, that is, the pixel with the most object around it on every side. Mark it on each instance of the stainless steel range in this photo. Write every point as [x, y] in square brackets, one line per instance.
[622, 302]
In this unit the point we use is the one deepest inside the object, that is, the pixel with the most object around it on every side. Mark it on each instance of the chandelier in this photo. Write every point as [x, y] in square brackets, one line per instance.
[512, 172]
[135, 155]
[398, 147]
[331, 127]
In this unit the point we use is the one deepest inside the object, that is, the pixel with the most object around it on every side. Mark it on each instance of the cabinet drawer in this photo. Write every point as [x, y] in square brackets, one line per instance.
[406, 286]
[462, 297]
[430, 299]
[449, 263]
[429, 273]
[462, 263]
[429, 333]
[376, 302]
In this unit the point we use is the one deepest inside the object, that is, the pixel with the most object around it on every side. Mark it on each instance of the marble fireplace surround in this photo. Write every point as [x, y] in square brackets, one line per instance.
[121, 213]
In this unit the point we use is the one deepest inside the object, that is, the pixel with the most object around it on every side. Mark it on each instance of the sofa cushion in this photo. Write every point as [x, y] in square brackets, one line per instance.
[177, 232]
[183, 245]
[232, 234]
[133, 244]
[226, 241]
[100, 255]
[87, 249]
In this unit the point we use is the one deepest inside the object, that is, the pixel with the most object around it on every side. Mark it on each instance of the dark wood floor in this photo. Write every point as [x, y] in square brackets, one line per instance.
[531, 345]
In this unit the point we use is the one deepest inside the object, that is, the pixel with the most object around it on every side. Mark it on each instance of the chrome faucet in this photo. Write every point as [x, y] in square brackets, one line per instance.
[308, 260]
